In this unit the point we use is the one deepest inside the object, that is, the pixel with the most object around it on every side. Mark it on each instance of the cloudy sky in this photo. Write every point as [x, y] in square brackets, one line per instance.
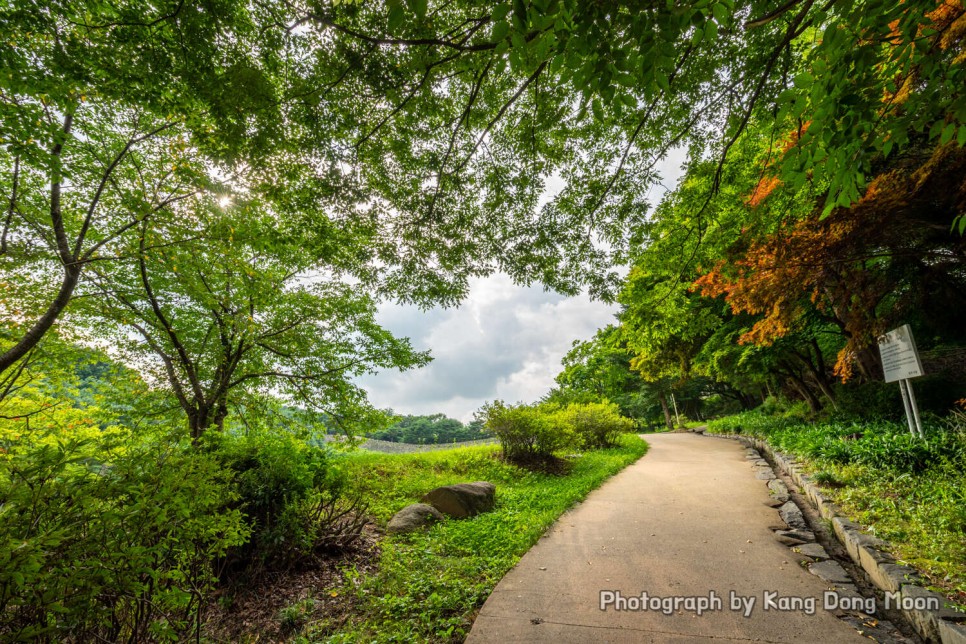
[505, 341]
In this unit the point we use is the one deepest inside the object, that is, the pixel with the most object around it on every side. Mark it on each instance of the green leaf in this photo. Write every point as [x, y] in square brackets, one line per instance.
[948, 132]
[598, 109]
[710, 31]
[396, 16]
[500, 12]
[500, 30]
[418, 7]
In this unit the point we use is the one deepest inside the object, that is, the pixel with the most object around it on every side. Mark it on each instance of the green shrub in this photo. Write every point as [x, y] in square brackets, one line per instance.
[597, 425]
[110, 552]
[292, 497]
[529, 432]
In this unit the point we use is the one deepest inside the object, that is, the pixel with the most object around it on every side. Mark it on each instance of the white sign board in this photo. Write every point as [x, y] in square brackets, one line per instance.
[900, 359]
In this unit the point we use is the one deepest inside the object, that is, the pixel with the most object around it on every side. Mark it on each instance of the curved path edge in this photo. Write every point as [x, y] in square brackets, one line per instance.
[688, 525]
[944, 625]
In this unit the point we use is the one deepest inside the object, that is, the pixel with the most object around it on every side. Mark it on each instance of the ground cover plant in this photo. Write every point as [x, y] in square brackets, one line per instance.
[906, 490]
[427, 586]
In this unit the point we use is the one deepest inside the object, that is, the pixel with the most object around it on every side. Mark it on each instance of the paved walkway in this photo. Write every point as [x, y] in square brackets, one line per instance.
[687, 519]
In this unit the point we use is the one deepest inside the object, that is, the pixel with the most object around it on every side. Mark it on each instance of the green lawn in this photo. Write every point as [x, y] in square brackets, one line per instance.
[908, 491]
[429, 585]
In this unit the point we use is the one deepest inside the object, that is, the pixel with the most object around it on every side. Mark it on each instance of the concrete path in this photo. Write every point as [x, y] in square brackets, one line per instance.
[688, 519]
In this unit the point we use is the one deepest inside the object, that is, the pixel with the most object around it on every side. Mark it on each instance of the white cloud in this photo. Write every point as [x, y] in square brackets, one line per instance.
[505, 341]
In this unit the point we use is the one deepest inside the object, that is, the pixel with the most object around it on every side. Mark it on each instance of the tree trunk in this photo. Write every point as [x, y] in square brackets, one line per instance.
[869, 364]
[667, 412]
[802, 388]
[42, 326]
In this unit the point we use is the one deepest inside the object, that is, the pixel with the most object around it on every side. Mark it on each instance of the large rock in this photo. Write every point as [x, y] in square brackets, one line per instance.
[463, 499]
[413, 517]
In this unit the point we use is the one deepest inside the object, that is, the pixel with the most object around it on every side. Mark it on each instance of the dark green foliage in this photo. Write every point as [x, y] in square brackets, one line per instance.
[431, 430]
[110, 552]
[292, 498]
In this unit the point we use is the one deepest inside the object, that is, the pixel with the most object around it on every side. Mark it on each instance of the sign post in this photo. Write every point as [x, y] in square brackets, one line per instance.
[900, 361]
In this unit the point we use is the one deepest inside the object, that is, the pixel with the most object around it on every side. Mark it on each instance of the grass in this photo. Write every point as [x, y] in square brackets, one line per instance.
[908, 491]
[428, 586]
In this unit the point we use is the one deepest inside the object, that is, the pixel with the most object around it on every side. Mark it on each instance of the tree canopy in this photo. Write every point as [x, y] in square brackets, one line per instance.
[411, 146]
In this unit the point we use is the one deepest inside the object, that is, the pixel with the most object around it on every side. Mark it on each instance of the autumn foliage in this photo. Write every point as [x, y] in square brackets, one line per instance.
[845, 268]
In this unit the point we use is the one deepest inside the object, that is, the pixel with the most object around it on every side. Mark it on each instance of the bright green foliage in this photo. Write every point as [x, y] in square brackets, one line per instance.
[909, 491]
[529, 432]
[597, 425]
[111, 113]
[238, 310]
[118, 550]
[429, 585]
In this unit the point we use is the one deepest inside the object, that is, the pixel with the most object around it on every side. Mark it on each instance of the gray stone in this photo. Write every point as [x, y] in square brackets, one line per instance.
[892, 577]
[871, 558]
[413, 517]
[952, 633]
[845, 529]
[801, 535]
[765, 474]
[777, 487]
[463, 499]
[791, 515]
[929, 622]
[830, 571]
[788, 541]
[812, 550]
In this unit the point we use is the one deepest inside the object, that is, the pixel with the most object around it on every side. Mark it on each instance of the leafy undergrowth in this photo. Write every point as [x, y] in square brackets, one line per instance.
[908, 491]
[428, 586]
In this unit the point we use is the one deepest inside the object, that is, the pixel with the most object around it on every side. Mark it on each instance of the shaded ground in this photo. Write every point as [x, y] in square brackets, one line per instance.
[275, 606]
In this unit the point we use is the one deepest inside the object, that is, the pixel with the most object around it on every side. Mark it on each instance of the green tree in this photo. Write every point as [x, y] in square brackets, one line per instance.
[238, 312]
[107, 112]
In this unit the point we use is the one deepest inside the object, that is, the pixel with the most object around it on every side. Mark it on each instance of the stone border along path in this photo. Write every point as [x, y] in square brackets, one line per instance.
[942, 626]
[690, 523]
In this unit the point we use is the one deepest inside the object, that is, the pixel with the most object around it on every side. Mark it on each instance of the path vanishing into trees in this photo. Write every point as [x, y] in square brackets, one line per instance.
[687, 519]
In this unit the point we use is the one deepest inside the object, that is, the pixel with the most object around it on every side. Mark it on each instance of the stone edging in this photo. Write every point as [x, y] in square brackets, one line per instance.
[945, 626]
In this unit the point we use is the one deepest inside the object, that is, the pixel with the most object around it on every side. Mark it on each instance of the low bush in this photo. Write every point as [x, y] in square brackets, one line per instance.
[117, 551]
[293, 499]
[597, 425]
[529, 432]
[535, 432]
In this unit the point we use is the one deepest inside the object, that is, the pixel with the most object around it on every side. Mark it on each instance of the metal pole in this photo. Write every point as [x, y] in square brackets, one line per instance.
[905, 404]
[676, 416]
[915, 407]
